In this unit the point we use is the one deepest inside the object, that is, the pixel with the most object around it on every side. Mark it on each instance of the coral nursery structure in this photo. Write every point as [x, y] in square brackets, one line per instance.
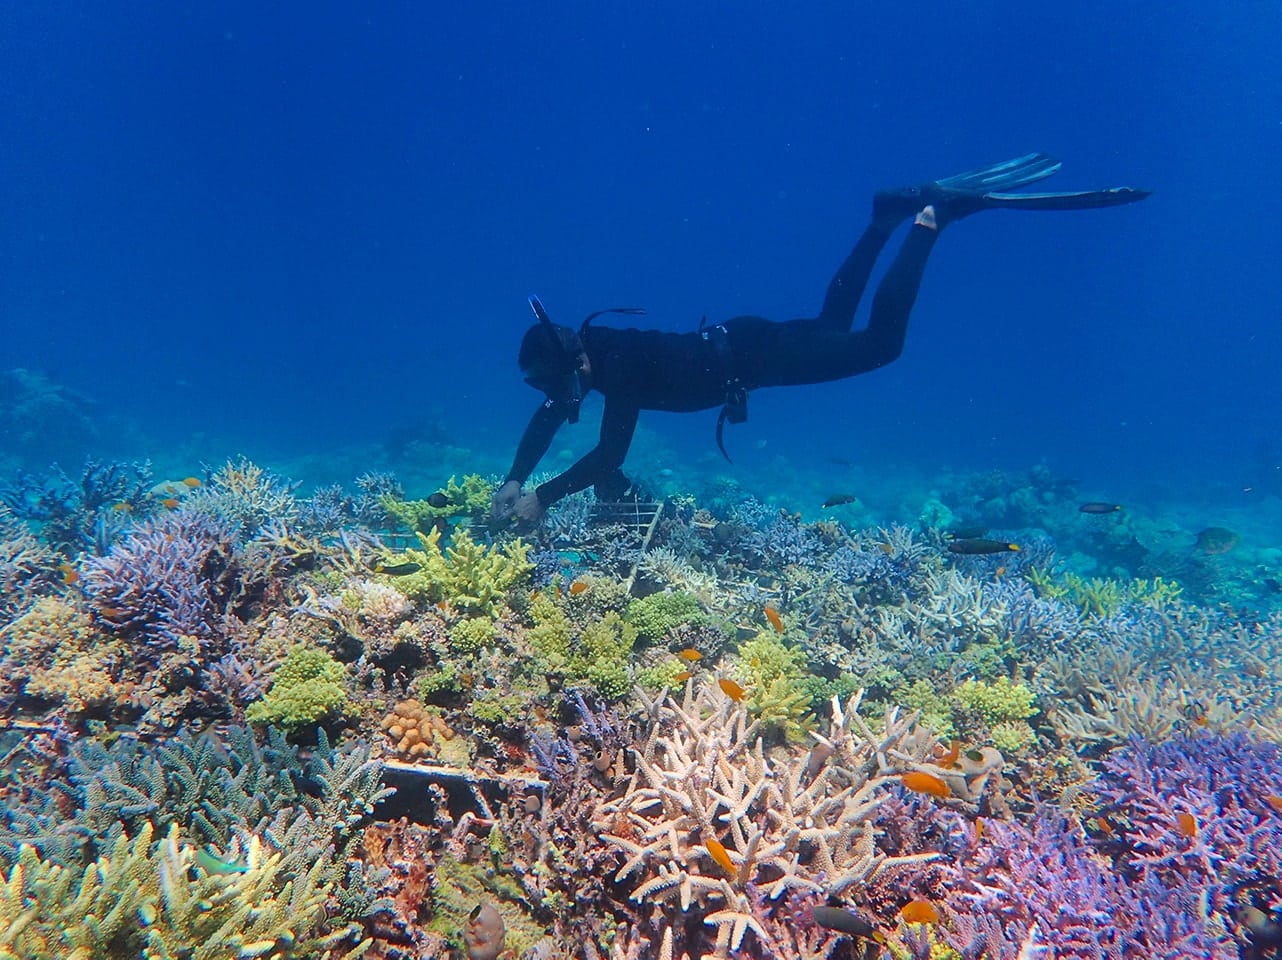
[241, 722]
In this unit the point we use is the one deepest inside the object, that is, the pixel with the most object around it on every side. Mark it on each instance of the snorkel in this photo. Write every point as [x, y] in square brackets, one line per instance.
[562, 380]
[552, 356]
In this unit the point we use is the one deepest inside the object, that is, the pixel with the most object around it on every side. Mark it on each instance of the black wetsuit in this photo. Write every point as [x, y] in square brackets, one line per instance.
[639, 370]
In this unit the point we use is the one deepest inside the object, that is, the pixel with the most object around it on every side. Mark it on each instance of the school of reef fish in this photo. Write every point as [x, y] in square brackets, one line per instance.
[237, 722]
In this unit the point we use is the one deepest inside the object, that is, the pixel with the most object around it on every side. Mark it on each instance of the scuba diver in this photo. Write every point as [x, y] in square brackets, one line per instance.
[719, 365]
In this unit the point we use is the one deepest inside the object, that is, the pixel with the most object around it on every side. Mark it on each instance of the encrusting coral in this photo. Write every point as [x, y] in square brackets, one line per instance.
[53, 652]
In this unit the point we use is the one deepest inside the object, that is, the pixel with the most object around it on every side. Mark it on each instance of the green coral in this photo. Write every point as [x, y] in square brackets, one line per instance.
[601, 655]
[655, 615]
[445, 679]
[662, 675]
[471, 498]
[936, 712]
[307, 688]
[498, 709]
[1013, 737]
[990, 659]
[938, 951]
[998, 701]
[597, 652]
[471, 634]
[458, 887]
[773, 674]
[551, 634]
[1101, 597]
[467, 575]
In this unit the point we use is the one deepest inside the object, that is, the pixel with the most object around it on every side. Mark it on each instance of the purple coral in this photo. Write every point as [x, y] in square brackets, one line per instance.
[1048, 887]
[168, 579]
[1224, 782]
[1161, 885]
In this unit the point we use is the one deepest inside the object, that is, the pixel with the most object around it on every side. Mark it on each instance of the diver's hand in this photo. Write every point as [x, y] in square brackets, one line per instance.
[528, 509]
[504, 500]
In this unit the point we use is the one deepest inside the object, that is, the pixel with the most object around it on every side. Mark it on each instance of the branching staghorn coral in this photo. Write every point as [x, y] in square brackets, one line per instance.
[707, 817]
[246, 497]
[27, 566]
[139, 899]
[171, 578]
[210, 787]
[1158, 672]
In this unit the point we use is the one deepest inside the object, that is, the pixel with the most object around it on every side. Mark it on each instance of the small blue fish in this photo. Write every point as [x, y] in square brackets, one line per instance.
[216, 866]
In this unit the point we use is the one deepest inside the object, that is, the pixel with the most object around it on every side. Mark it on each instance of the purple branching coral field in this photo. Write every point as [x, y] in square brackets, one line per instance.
[1146, 888]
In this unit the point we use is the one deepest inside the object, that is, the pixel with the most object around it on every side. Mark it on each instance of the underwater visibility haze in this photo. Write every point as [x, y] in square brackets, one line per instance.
[969, 649]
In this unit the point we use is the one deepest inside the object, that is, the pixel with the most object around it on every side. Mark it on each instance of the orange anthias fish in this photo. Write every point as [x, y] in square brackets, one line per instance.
[919, 911]
[69, 573]
[718, 851]
[731, 689]
[1274, 801]
[577, 587]
[776, 621]
[682, 677]
[191, 482]
[169, 502]
[919, 782]
[690, 655]
[1186, 824]
[946, 758]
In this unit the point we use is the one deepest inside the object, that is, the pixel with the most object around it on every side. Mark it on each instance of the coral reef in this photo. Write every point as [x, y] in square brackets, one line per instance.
[716, 729]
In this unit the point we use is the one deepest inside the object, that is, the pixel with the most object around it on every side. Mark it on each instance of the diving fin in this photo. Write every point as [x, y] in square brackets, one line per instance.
[1078, 200]
[985, 189]
[1006, 175]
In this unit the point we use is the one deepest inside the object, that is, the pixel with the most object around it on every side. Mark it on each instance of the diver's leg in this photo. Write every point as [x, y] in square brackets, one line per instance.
[883, 340]
[804, 351]
[851, 279]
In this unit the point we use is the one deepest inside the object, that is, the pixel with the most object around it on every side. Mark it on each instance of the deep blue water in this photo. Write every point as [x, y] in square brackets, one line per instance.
[294, 230]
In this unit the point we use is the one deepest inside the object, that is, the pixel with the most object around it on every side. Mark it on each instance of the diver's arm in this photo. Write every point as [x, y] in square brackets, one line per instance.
[537, 438]
[618, 423]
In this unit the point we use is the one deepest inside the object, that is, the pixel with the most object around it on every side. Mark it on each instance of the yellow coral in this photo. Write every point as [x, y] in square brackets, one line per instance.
[63, 658]
[997, 701]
